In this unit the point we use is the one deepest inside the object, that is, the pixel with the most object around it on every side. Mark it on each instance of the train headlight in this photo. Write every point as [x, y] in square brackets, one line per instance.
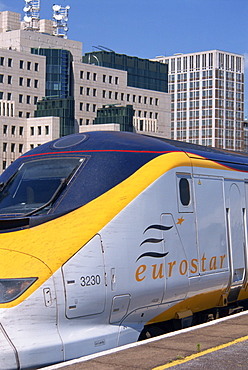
[11, 289]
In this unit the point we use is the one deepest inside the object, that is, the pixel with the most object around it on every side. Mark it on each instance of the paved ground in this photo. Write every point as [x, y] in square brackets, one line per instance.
[221, 344]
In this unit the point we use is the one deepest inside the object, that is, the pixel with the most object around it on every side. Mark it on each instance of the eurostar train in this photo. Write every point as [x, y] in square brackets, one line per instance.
[109, 237]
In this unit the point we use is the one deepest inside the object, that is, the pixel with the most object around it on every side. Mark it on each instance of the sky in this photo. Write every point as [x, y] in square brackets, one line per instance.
[150, 28]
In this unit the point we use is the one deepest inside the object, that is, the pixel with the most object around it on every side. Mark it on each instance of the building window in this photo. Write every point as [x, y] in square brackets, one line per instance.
[198, 61]
[31, 146]
[31, 130]
[88, 75]
[9, 62]
[122, 96]
[21, 64]
[20, 114]
[94, 92]
[185, 63]
[104, 93]
[20, 81]
[134, 98]
[110, 94]
[20, 148]
[87, 107]
[35, 99]
[210, 60]
[36, 67]
[128, 97]
[116, 80]
[21, 128]
[20, 98]
[28, 99]
[178, 64]
[80, 121]
[81, 106]
[28, 82]
[94, 76]
[88, 91]
[116, 95]
[94, 108]
[36, 83]
[28, 115]
[104, 78]
[28, 66]
[4, 165]
[110, 79]
[87, 122]
[39, 130]
[151, 101]
[81, 74]
[47, 130]
[13, 128]
[145, 100]
[1, 61]
[173, 65]
[81, 90]
[5, 129]
[4, 147]
[9, 96]
[12, 147]
[9, 80]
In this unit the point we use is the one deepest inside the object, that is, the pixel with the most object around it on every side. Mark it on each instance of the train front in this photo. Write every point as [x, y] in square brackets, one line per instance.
[31, 192]
[49, 202]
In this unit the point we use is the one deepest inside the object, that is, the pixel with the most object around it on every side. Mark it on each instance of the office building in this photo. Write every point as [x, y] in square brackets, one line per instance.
[47, 91]
[207, 98]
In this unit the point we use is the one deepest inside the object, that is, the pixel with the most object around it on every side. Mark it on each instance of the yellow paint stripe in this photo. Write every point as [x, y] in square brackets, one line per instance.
[200, 354]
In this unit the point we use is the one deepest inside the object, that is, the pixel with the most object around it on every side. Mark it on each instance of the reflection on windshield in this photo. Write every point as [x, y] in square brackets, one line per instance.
[35, 183]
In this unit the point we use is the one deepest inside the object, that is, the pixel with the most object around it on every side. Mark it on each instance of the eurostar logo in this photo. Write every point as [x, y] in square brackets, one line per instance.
[180, 221]
[154, 241]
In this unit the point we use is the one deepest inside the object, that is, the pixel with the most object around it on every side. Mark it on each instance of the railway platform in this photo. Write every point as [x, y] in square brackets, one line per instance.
[219, 344]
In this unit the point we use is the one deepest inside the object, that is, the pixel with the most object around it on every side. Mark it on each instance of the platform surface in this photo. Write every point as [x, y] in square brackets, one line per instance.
[220, 344]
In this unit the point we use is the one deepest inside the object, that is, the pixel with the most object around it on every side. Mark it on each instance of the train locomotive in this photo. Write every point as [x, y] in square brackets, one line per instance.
[110, 237]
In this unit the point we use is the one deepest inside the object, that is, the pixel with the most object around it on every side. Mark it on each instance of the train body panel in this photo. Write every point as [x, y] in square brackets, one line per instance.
[131, 232]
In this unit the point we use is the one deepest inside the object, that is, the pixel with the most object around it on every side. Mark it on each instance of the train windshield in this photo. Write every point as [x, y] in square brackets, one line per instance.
[35, 186]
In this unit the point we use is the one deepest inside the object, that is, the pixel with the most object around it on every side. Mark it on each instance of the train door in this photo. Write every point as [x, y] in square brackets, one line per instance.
[84, 281]
[211, 231]
[235, 218]
[176, 263]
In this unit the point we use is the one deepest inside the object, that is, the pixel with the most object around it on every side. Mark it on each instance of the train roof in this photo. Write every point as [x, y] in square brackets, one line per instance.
[214, 154]
[115, 141]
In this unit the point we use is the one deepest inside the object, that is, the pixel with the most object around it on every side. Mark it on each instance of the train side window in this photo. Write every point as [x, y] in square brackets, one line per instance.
[184, 192]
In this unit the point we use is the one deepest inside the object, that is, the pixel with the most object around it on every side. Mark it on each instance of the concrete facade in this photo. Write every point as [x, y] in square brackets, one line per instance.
[96, 86]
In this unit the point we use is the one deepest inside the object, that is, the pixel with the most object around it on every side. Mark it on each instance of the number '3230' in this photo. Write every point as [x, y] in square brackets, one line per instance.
[90, 280]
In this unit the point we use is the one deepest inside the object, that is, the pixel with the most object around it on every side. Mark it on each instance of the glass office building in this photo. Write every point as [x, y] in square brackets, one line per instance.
[59, 101]
[116, 114]
[141, 73]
